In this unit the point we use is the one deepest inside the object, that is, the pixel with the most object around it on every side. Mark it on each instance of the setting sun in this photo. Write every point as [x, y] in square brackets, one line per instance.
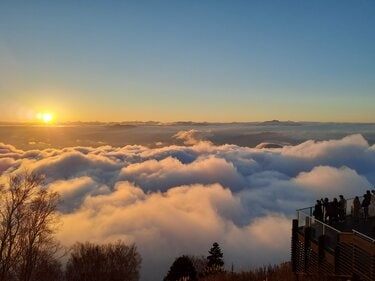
[45, 117]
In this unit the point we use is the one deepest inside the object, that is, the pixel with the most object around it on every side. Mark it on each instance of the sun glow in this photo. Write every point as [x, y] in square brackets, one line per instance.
[45, 117]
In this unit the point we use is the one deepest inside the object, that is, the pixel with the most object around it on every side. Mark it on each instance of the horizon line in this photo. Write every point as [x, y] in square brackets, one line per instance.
[180, 122]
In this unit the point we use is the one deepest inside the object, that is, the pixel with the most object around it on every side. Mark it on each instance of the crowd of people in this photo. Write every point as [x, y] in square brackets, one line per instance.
[336, 210]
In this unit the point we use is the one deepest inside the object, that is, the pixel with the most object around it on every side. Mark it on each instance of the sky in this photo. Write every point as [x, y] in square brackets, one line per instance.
[215, 61]
[219, 61]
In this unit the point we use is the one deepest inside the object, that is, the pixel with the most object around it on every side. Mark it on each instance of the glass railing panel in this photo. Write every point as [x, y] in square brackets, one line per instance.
[331, 235]
[303, 219]
[317, 229]
[349, 204]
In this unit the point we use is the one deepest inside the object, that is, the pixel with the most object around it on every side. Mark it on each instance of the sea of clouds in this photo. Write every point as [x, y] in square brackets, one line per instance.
[179, 199]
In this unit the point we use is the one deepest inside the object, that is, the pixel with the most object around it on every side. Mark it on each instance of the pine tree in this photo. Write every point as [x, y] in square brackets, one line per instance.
[215, 259]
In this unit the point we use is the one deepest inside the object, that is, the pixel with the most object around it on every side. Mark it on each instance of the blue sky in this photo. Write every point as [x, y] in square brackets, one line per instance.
[188, 60]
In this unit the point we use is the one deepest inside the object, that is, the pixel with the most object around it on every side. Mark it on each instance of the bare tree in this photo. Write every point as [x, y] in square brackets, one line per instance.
[27, 224]
[112, 262]
[48, 268]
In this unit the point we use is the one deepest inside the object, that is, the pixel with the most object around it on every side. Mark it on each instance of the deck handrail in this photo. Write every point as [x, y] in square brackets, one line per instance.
[323, 224]
[369, 239]
[329, 226]
[308, 213]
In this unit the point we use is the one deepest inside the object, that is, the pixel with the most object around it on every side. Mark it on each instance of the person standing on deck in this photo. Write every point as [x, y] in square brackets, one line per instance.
[342, 208]
[334, 211]
[366, 202]
[371, 208]
[327, 209]
[356, 207]
[318, 212]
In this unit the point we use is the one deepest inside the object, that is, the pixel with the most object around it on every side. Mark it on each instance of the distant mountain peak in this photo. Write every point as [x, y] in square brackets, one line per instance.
[276, 122]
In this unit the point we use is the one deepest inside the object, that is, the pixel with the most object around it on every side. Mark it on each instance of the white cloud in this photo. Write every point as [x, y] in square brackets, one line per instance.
[170, 172]
[331, 181]
[74, 191]
[179, 199]
[184, 219]
[189, 137]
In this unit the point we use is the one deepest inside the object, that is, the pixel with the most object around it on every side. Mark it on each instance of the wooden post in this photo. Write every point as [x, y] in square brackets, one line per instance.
[337, 258]
[321, 245]
[294, 245]
[307, 237]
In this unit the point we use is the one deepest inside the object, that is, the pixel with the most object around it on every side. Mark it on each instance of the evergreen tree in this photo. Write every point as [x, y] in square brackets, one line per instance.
[215, 259]
[182, 269]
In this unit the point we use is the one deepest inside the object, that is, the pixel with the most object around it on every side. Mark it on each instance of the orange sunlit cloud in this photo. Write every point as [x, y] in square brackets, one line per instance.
[228, 192]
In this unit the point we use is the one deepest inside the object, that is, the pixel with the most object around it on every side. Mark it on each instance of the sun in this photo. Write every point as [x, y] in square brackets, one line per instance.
[45, 117]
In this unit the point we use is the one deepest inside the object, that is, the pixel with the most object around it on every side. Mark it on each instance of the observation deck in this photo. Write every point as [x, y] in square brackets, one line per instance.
[340, 251]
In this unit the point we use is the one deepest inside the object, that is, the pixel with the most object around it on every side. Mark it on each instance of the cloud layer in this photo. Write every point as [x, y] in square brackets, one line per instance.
[177, 200]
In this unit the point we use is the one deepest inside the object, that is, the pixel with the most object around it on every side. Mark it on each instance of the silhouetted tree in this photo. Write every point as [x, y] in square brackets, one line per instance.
[27, 225]
[215, 259]
[281, 272]
[182, 269]
[109, 262]
[200, 264]
[48, 268]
